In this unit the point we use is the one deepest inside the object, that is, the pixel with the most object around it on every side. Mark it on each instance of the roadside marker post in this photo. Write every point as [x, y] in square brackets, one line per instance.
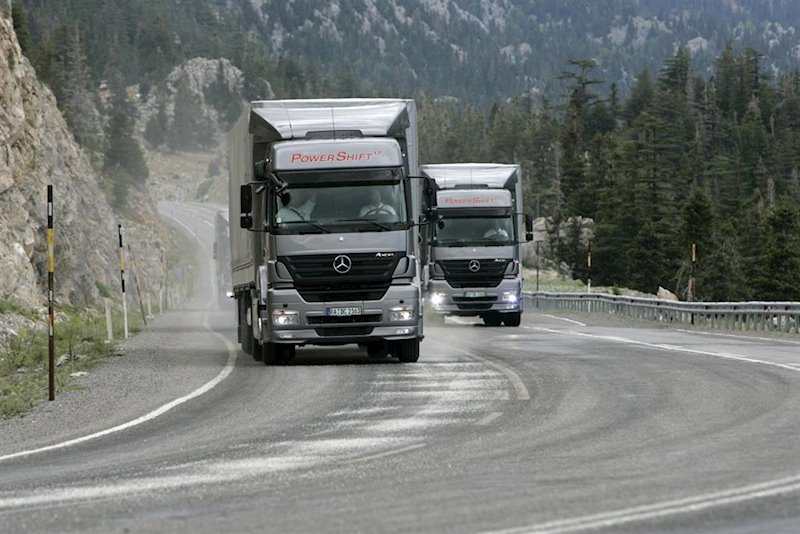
[51, 330]
[109, 323]
[589, 276]
[136, 281]
[122, 282]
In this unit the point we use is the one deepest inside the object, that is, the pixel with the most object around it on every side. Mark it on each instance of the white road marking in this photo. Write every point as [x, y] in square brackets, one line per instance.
[663, 346]
[519, 386]
[564, 319]
[667, 508]
[663, 509]
[488, 418]
[208, 386]
[384, 454]
[757, 338]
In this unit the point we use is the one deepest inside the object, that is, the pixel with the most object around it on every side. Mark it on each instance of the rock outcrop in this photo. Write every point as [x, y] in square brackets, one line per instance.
[36, 149]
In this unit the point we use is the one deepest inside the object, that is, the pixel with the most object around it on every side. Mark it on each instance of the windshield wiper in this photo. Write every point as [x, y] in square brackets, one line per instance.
[361, 219]
[312, 223]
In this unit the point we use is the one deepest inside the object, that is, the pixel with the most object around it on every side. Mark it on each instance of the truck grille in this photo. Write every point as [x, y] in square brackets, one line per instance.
[316, 280]
[349, 319]
[474, 303]
[458, 274]
[344, 331]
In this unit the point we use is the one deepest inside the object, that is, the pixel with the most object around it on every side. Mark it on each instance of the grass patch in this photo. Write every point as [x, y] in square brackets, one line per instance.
[80, 344]
[12, 307]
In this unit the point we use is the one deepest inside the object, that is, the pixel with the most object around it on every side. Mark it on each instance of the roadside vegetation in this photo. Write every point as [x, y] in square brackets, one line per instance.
[80, 344]
[81, 339]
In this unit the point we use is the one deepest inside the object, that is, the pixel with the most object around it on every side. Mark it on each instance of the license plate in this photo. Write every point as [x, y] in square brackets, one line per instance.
[473, 294]
[343, 312]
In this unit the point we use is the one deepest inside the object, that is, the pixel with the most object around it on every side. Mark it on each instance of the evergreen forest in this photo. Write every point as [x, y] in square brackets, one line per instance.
[682, 156]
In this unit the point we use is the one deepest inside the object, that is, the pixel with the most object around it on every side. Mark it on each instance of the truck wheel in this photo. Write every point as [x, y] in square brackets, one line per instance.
[492, 319]
[512, 319]
[248, 341]
[286, 353]
[271, 353]
[407, 351]
[258, 351]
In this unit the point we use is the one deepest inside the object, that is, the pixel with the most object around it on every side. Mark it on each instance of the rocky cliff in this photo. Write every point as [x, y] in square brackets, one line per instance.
[36, 149]
[215, 86]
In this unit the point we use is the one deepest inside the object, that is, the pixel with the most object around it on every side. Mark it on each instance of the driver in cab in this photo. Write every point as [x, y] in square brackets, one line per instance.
[376, 206]
[297, 207]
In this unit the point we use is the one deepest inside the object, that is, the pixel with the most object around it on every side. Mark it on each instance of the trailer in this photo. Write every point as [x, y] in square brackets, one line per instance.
[476, 245]
[328, 249]
[222, 258]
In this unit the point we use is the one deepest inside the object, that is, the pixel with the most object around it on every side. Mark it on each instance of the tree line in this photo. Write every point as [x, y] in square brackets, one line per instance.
[684, 159]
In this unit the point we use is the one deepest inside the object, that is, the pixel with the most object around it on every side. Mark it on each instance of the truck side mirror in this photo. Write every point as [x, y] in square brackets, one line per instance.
[260, 170]
[246, 207]
[430, 191]
[528, 228]
[215, 250]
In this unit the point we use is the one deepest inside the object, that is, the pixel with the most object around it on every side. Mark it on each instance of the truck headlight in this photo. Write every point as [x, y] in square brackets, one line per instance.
[437, 298]
[401, 313]
[510, 297]
[285, 318]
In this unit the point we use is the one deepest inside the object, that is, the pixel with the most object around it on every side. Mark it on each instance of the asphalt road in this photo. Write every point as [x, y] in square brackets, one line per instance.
[556, 426]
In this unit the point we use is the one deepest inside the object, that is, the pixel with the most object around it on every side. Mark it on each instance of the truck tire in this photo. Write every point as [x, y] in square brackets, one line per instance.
[258, 351]
[286, 353]
[248, 341]
[407, 351]
[492, 319]
[277, 353]
[512, 319]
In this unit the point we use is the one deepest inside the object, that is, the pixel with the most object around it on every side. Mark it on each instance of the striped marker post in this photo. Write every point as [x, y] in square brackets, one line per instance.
[51, 328]
[122, 281]
[136, 282]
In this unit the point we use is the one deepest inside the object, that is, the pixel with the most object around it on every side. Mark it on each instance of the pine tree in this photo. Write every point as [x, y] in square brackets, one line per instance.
[155, 131]
[190, 128]
[78, 104]
[20, 20]
[778, 275]
[124, 160]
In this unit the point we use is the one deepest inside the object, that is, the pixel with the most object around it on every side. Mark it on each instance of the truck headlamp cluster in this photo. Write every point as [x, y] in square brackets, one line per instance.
[510, 297]
[437, 299]
[285, 318]
[401, 313]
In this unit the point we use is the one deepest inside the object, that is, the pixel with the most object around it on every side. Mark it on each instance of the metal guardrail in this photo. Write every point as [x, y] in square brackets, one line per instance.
[779, 317]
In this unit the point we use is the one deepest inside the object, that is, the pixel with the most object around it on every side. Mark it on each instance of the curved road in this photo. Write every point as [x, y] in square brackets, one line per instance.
[556, 426]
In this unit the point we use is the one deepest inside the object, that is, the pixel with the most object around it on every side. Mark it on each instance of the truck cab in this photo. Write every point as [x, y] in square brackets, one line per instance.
[476, 244]
[328, 249]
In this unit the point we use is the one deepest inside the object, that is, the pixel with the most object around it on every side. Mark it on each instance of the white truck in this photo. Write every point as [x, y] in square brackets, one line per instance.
[328, 249]
[476, 246]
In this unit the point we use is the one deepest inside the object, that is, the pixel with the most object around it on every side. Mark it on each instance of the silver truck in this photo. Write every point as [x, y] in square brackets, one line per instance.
[476, 245]
[222, 258]
[328, 250]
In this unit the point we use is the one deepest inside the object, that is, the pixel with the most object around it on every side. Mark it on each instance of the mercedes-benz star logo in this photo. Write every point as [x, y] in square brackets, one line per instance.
[474, 266]
[342, 264]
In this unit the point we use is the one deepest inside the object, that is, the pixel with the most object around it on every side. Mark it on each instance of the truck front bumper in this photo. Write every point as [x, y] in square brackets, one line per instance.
[289, 319]
[444, 299]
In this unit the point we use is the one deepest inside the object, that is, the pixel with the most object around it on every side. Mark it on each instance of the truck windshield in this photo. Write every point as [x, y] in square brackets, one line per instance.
[454, 230]
[356, 200]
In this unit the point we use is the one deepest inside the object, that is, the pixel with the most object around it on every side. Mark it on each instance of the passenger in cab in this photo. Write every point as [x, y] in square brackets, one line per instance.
[376, 206]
